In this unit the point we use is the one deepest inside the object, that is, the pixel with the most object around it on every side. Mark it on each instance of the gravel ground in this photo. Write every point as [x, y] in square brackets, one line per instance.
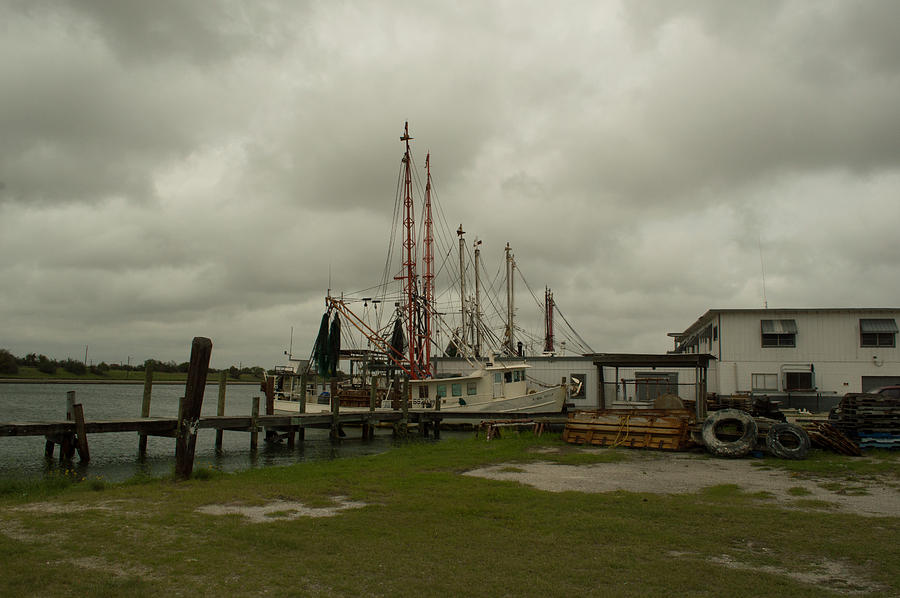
[675, 473]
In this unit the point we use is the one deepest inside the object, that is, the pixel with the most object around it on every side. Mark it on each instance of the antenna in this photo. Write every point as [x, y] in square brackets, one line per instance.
[762, 267]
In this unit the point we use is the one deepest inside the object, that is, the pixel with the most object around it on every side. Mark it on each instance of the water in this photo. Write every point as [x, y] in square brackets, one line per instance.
[114, 456]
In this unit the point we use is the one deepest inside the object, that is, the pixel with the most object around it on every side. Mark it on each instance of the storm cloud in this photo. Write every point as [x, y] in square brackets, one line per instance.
[176, 169]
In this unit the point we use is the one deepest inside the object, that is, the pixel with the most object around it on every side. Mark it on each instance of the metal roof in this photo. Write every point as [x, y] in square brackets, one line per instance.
[637, 360]
[878, 325]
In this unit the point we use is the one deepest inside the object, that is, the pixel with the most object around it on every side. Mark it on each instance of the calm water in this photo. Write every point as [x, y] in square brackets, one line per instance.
[114, 457]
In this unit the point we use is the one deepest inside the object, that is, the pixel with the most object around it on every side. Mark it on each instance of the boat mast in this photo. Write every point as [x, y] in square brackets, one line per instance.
[428, 278]
[409, 259]
[477, 300]
[548, 320]
[510, 335]
[462, 284]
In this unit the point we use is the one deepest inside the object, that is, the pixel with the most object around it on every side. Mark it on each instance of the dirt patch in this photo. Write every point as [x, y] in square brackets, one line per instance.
[281, 510]
[836, 576]
[70, 507]
[678, 473]
[115, 569]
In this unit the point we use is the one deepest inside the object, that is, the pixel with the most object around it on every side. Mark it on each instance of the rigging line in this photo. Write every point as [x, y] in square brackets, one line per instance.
[587, 346]
[527, 286]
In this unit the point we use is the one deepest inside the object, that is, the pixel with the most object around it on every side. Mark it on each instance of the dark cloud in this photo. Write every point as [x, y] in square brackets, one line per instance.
[173, 169]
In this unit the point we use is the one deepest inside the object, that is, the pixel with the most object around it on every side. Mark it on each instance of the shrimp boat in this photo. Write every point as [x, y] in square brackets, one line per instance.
[401, 347]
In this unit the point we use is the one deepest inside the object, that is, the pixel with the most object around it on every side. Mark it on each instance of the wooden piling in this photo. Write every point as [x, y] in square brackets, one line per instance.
[254, 428]
[67, 446]
[220, 409]
[186, 442]
[335, 412]
[145, 408]
[80, 435]
[301, 431]
[437, 421]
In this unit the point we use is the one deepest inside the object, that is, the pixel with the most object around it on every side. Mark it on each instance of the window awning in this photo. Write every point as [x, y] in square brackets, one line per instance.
[778, 326]
[878, 325]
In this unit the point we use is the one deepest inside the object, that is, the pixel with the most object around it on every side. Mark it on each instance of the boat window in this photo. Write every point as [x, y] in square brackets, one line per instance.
[497, 378]
[517, 376]
[441, 390]
[507, 376]
[471, 388]
[456, 389]
[423, 392]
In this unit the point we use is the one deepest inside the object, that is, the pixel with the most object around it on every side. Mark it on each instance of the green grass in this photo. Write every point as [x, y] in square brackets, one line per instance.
[427, 530]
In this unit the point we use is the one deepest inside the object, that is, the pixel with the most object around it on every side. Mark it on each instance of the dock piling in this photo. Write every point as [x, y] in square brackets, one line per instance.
[220, 409]
[80, 435]
[254, 428]
[186, 442]
[145, 408]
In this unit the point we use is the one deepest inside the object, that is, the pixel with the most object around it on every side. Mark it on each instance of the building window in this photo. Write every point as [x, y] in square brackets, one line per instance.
[779, 333]
[799, 381]
[878, 333]
[764, 381]
[471, 388]
[456, 389]
[649, 385]
[715, 333]
[578, 386]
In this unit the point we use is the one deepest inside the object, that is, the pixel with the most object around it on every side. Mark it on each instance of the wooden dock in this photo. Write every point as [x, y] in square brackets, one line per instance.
[72, 433]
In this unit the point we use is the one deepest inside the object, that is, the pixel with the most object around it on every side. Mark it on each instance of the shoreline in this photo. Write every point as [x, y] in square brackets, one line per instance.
[135, 381]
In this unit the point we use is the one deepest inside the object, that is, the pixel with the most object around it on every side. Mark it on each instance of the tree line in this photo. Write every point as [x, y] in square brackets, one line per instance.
[10, 364]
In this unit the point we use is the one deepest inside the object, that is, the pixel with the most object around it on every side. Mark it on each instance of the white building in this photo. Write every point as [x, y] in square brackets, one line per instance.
[810, 357]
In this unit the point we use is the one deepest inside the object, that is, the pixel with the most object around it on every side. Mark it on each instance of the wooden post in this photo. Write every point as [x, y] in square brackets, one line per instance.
[189, 419]
[254, 430]
[304, 380]
[270, 396]
[437, 421]
[145, 409]
[404, 408]
[67, 447]
[220, 409]
[368, 426]
[80, 435]
[335, 413]
[49, 447]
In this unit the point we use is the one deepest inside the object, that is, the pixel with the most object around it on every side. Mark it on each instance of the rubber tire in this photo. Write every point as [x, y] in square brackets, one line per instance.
[732, 448]
[779, 450]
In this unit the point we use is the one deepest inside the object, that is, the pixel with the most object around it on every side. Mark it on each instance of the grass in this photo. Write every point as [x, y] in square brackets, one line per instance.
[428, 531]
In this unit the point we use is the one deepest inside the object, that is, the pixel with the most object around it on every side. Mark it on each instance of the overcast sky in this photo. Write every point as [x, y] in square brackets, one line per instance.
[174, 169]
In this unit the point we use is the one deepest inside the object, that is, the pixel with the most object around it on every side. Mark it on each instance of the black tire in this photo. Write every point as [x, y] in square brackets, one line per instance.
[798, 448]
[729, 447]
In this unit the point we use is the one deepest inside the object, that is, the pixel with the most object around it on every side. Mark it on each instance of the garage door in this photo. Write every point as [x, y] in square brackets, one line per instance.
[873, 382]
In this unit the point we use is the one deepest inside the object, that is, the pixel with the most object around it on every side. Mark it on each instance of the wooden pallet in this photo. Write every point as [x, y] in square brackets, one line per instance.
[632, 428]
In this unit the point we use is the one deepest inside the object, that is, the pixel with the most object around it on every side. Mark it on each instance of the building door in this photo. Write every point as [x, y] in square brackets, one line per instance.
[873, 382]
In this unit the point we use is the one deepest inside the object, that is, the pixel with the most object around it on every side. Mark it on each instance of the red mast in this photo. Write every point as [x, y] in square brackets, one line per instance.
[409, 258]
[429, 271]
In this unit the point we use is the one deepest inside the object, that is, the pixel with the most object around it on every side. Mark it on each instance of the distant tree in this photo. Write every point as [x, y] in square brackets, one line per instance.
[102, 367]
[30, 360]
[184, 367]
[45, 365]
[73, 366]
[8, 363]
[234, 372]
